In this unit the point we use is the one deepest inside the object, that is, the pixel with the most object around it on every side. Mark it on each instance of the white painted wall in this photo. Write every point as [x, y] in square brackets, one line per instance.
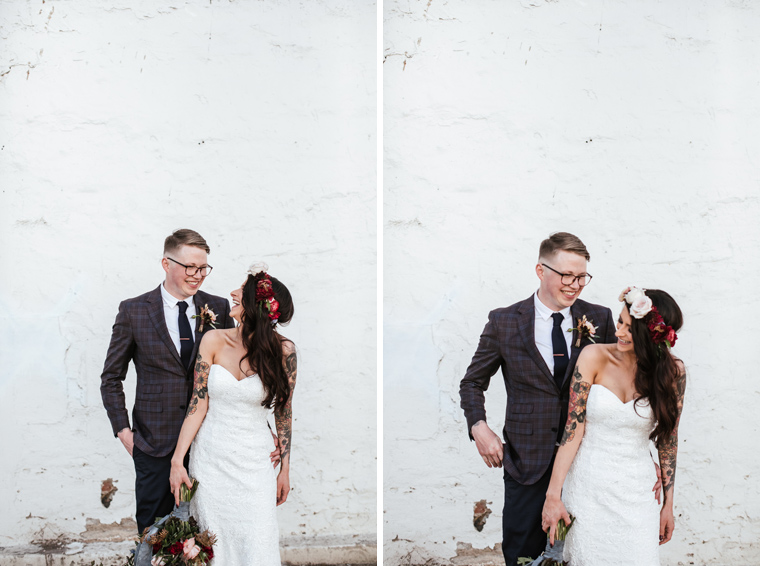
[633, 124]
[120, 121]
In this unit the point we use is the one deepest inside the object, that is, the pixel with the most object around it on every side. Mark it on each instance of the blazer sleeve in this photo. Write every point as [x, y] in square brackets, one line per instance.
[484, 364]
[119, 354]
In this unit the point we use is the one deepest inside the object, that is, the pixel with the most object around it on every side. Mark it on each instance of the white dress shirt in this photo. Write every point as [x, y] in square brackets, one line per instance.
[171, 314]
[543, 330]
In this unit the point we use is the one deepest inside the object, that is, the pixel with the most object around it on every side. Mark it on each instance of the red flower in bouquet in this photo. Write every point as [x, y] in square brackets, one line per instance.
[176, 548]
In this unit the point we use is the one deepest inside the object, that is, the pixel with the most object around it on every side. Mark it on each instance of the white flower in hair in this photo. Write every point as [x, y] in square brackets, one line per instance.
[641, 306]
[258, 267]
[634, 294]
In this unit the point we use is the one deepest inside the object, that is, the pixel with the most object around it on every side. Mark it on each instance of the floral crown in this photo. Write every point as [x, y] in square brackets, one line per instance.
[264, 292]
[642, 307]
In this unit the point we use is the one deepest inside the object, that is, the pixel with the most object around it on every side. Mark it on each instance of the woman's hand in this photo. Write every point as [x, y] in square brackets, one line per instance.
[554, 510]
[283, 486]
[177, 477]
[667, 523]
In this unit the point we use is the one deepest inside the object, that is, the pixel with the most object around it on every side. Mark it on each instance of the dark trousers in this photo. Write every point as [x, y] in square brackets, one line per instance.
[521, 522]
[152, 491]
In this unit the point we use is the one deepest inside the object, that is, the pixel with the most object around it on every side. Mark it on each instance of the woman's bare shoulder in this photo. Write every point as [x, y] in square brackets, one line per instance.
[288, 346]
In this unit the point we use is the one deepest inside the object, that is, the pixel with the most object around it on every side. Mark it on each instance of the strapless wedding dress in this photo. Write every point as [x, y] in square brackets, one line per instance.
[236, 497]
[609, 487]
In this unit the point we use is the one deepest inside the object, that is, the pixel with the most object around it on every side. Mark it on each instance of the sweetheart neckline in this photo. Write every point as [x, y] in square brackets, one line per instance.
[613, 394]
[232, 375]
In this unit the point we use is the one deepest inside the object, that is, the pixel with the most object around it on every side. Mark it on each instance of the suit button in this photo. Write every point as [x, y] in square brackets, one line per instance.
[183, 408]
[554, 429]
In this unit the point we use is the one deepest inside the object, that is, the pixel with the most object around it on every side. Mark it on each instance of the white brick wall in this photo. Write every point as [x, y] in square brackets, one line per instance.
[120, 121]
[633, 124]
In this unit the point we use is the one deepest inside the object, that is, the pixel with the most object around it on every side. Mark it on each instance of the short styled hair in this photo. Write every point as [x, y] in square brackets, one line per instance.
[185, 237]
[562, 241]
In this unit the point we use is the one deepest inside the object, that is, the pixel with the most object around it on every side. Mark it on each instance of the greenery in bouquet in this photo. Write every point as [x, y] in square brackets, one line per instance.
[552, 555]
[174, 541]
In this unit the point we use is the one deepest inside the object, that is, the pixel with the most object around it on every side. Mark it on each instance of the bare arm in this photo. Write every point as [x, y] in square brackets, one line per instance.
[196, 412]
[668, 451]
[283, 418]
[554, 509]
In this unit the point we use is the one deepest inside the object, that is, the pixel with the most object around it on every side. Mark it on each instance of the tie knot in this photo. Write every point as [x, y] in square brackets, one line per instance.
[183, 307]
[558, 318]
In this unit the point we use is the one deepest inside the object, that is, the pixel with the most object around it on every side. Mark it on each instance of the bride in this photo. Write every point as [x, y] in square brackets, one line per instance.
[240, 373]
[621, 396]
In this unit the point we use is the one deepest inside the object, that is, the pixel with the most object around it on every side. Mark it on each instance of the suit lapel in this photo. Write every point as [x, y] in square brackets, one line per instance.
[527, 325]
[156, 313]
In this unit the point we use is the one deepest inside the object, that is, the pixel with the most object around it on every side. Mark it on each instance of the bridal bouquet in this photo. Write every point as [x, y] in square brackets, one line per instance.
[175, 539]
[552, 555]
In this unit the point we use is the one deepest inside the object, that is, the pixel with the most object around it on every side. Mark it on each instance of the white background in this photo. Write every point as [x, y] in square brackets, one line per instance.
[633, 124]
[251, 122]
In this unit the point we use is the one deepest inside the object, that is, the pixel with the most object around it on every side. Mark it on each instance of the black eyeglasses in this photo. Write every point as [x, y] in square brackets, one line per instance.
[568, 278]
[192, 269]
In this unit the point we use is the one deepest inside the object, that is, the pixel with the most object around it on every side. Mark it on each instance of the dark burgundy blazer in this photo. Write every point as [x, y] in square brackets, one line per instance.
[163, 384]
[536, 407]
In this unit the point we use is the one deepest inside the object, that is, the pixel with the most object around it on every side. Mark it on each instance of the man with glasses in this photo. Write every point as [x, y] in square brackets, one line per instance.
[160, 332]
[535, 342]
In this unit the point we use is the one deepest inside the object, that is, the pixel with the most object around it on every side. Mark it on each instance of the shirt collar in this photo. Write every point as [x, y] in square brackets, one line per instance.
[171, 301]
[545, 312]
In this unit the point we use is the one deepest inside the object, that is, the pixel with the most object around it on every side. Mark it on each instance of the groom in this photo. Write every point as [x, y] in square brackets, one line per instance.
[535, 342]
[160, 332]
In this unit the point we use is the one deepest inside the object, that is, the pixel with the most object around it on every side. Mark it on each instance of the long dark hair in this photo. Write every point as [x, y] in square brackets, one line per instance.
[656, 368]
[262, 343]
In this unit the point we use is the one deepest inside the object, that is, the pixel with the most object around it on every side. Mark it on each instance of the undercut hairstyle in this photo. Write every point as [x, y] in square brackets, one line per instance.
[185, 237]
[562, 241]
[263, 346]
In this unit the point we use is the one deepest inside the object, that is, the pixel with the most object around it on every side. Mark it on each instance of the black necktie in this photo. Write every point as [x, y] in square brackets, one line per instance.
[185, 335]
[560, 349]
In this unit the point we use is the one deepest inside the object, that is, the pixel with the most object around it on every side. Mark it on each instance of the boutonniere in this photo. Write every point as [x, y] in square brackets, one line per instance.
[585, 329]
[207, 316]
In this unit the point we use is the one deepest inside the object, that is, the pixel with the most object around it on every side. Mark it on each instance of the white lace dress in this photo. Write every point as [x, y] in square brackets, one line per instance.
[236, 497]
[609, 487]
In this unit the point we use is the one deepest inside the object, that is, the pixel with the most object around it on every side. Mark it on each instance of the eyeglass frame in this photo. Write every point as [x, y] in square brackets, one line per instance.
[575, 277]
[197, 268]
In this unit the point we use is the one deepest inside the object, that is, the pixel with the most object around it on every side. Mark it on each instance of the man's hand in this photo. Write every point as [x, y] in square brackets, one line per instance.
[127, 439]
[658, 484]
[489, 445]
[274, 456]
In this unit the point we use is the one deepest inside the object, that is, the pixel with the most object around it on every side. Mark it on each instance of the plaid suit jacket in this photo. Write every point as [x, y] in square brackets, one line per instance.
[536, 407]
[164, 386]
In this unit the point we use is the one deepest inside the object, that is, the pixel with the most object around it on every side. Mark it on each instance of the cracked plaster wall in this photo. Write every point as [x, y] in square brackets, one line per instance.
[633, 124]
[252, 122]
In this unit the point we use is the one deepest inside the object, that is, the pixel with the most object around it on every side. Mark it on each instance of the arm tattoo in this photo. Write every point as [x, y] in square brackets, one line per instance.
[578, 396]
[669, 448]
[200, 387]
[283, 417]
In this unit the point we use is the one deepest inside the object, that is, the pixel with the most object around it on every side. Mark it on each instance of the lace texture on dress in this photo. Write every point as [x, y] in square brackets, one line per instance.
[609, 487]
[236, 497]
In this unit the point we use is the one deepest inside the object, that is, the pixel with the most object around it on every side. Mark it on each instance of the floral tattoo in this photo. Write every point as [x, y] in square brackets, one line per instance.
[200, 387]
[578, 396]
[283, 417]
[669, 448]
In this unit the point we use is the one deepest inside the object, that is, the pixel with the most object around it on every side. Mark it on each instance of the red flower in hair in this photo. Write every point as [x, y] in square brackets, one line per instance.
[264, 289]
[658, 330]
